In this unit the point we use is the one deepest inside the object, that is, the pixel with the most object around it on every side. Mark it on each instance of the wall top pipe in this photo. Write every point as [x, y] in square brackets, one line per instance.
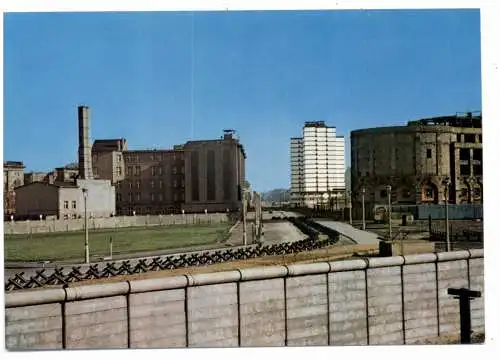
[34, 297]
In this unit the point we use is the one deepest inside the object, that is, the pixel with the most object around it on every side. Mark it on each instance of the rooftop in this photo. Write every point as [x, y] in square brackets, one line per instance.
[468, 120]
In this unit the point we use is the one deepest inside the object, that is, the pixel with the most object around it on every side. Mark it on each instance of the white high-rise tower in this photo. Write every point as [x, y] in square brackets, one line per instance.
[317, 165]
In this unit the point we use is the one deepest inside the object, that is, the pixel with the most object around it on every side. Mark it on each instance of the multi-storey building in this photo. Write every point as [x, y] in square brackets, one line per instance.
[418, 160]
[317, 165]
[194, 177]
[13, 176]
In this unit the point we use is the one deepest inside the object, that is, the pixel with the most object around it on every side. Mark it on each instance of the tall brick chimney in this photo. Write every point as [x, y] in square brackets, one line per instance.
[84, 148]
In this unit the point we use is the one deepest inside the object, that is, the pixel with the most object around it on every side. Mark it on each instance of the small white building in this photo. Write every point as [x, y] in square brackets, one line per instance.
[65, 200]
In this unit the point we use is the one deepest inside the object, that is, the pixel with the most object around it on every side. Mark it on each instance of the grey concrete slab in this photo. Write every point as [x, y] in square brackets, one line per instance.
[356, 235]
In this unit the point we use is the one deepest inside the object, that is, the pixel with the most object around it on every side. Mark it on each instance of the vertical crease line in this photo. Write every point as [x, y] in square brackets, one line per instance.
[286, 312]
[127, 298]
[403, 302]
[437, 299]
[186, 317]
[328, 329]
[63, 324]
[366, 305]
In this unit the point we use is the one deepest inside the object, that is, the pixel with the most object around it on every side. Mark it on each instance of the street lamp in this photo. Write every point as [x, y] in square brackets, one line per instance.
[363, 191]
[446, 183]
[389, 190]
[349, 194]
[85, 194]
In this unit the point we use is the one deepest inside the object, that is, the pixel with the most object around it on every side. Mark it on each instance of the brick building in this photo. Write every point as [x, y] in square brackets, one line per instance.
[199, 175]
[417, 159]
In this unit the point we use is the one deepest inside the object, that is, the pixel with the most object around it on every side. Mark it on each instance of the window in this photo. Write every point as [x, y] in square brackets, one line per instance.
[175, 183]
[175, 196]
[119, 157]
[138, 196]
[174, 170]
[129, 170]
[130, 184]
[152, 197]
[182, 169]
[119, 170]
[429, 192]
[153, 170]
[137, 170]
[160, 170]
[73, 204]
[470, 138]
[182, 182]
[152, 184]
[119, 197]
[152, 157]
[137, 158]
[130, 197]
[158, 157]
[477, 154]
[65, 204]
[383, 193]
[160, 184]
[465, 170]
[160, 196]
[138, 184]
[173, 157]
[182, 156]
[429, 153]
[464, 154]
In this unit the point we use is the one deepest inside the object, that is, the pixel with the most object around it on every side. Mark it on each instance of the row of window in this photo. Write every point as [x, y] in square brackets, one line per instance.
[153, 157]
[154, 197]
[66, 204]
[154, 184]
[155, 170]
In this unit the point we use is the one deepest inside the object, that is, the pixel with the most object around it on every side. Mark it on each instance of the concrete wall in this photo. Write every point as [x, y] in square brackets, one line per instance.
[100, 200]
[44, 226]
[396, 300]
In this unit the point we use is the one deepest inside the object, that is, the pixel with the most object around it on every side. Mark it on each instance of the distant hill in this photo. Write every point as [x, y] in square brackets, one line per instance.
[276, 195]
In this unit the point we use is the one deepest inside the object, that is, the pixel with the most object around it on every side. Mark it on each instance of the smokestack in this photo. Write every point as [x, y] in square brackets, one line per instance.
[84, 149]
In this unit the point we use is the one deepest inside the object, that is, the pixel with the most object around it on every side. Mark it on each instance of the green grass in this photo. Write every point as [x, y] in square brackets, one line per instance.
[70, 245]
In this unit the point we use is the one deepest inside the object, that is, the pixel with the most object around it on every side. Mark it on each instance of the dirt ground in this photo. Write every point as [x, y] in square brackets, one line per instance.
[330, 253]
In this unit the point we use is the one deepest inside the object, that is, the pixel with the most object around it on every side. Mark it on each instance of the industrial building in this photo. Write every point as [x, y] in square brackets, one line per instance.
[194, 177]
[419, 160]
[317, 165]
[73, 191]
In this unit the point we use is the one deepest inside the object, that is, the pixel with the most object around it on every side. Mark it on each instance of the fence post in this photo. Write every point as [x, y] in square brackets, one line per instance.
[111, 247]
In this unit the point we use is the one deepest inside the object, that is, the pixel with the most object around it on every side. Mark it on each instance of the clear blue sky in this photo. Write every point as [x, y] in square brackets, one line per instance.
[261, 73]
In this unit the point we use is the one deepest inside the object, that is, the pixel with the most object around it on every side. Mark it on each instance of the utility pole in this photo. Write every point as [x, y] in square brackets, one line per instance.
[350, 206]
[363, 190]
[244, 218]
[446, 184]
[389, 190]
[87, 256]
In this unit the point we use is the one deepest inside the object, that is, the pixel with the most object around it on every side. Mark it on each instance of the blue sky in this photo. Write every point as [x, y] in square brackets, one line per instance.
[159, 79]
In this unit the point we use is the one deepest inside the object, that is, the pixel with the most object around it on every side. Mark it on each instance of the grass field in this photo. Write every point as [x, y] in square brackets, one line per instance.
[70, 245]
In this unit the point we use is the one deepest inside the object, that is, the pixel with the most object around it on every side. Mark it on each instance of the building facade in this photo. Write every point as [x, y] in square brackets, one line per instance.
[317, 165]
[65, 200]
[417, 160]
[13, 176]
[194, 177]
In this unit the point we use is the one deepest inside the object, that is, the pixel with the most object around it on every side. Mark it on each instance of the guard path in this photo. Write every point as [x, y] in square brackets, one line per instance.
[356, 235]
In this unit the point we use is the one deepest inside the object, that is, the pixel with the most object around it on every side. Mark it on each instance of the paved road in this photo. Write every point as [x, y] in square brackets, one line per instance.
[356, 235]
[277, 232]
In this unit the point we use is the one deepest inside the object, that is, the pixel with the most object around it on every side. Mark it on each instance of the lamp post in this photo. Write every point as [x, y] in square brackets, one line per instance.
[363, 191]
[446, 183]
[349, 194]
[85, 194]
[389, 189]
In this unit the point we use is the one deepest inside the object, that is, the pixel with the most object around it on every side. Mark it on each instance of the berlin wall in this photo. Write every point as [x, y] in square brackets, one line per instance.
[61, 225]
[392, 301]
